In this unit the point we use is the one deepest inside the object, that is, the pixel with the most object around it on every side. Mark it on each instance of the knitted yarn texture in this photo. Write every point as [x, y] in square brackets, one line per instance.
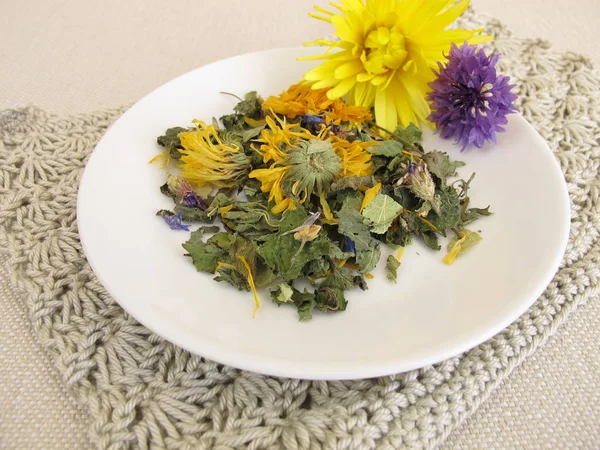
[144, 392]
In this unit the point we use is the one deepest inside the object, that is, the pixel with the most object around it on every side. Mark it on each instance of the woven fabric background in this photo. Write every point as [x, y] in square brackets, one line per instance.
[144, 392]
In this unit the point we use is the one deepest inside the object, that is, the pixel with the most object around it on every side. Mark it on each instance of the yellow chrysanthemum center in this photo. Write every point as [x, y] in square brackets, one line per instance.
[385, 50]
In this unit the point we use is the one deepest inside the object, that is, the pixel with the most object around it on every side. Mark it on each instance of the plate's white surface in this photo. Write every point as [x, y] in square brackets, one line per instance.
[434, 312]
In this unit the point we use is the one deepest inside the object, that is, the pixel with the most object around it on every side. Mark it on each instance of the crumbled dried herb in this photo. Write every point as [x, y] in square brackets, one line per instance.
[320, 198]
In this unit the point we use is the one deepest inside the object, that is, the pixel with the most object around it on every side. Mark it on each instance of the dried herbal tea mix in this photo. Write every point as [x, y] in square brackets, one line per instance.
[303, 187]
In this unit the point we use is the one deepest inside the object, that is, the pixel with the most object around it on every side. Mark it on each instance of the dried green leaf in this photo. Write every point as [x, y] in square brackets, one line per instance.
[251, 219]
[251, 133]
[463, 241]
[317, 268]
[193, 214]
[330, 299]
[352, 225]
[391, 268]
[353, 183]
[440, 165]
[292, 218]
[380, 213]
[164, 213]
[342, 278]
[409, 136]
[204, 255]
[449, 216]
[232, 122]
[250, 106]
[282, 294]
[171, 141]
[164, 189]
[222, 240]
[218, 201]
[472, 214]
[233, 277]
[285, 256]
[286, 293]
[431, 240]
[367, 259]
[304, 303]
[389, 148]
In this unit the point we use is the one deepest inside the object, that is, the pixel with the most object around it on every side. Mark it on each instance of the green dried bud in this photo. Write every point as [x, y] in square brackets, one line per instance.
[419, 181]
[314, 166]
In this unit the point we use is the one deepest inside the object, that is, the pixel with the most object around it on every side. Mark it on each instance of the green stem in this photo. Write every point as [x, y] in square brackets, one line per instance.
[302, 243]
[407, 145]
[233, 95]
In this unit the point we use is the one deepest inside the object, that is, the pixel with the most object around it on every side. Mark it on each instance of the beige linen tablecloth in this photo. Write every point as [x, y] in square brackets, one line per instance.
[74, 57]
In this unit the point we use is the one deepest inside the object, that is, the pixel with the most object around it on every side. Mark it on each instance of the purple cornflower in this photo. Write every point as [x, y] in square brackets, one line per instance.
[174, 222]
[469, 100]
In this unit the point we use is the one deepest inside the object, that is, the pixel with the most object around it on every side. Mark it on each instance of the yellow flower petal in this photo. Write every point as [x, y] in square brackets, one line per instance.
[364, 94]
[400, 253]
[326, 209]
[370, 195]
[325, 70]
[253, 122]
[343, 31]
[164, 157]
[326, 83]
[341, 89]
[284, 205]
[385, 110]
[402, 104]
[467, 239]
[444, 19]
[348, 69]
[250, 280]
[308, 233]
[223, 210]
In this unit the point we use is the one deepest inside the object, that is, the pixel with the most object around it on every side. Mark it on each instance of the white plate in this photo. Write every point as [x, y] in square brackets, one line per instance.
[434, 312]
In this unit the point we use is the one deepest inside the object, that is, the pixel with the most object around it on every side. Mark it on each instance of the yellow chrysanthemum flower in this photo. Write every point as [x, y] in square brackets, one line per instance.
[206, 160]
[387, 51]
[300, 99]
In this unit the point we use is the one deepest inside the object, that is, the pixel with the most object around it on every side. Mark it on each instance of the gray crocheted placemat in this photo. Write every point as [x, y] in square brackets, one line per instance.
[143, 392]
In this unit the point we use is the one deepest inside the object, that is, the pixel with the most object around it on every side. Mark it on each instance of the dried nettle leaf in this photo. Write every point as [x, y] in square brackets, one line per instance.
[380, 213]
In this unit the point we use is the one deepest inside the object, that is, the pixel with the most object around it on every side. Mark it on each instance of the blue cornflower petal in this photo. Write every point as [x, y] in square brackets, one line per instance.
[174, 222]
[349, 245]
